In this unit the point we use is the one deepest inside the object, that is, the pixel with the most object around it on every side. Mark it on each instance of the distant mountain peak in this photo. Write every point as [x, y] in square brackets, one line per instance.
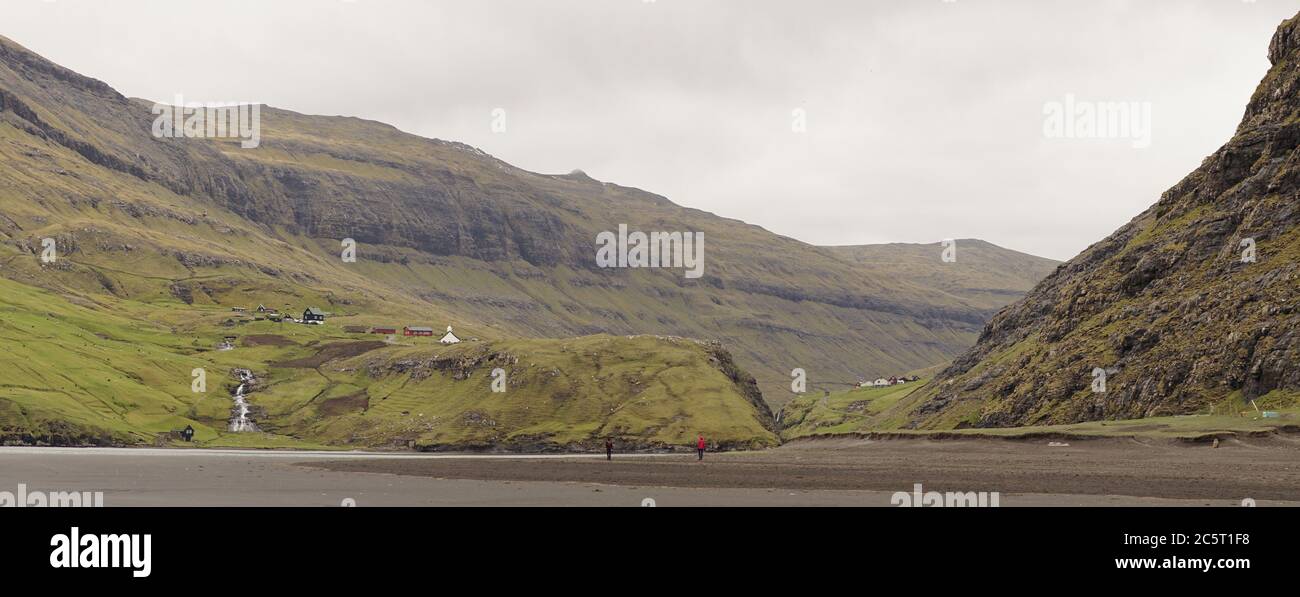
[578, 175]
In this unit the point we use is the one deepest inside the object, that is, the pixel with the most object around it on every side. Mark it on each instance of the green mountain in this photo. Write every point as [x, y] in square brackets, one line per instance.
[157, 238]
[1189, 308]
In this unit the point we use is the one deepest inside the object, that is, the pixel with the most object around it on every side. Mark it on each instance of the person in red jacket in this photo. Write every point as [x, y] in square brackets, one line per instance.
[700, 445]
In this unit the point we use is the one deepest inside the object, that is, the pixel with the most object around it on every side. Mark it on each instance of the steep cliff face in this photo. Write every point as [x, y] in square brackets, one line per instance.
[1190, 305]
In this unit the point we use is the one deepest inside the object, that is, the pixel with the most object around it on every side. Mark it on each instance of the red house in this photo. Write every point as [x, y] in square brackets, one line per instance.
[417, 331]
[385, 331]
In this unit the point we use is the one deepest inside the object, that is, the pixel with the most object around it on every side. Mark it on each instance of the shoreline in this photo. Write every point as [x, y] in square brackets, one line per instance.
[1012, 434]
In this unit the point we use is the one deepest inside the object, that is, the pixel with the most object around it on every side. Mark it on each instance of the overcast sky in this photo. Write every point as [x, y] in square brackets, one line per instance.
[924, 118]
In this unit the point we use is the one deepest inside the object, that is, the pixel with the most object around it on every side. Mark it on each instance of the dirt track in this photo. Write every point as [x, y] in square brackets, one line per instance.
[1264, 469]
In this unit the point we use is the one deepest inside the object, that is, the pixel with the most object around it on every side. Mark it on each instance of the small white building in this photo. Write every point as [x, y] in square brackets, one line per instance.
[880, 383]
[450, 338]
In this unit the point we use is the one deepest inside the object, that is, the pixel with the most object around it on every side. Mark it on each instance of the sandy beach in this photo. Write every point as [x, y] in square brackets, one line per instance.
[823, 473]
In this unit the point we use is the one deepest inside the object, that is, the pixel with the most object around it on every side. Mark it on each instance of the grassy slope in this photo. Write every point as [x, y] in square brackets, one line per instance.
[119, 371]
[983, 274]
[94, 368]
[841, 412]
[885, 412]
[646, 391]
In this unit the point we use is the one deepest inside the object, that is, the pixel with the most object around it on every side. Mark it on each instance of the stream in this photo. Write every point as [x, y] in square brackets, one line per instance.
[239, 419]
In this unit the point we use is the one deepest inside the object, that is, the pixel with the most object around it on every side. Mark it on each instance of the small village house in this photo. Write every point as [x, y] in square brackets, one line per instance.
[384, 330]
[313, 315]
[417, 331]
[450, 338]
[355, 329]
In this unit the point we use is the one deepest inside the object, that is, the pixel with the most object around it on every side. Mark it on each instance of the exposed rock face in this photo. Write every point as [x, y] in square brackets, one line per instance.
[459, 365]
[1171, 305]
[745, 383]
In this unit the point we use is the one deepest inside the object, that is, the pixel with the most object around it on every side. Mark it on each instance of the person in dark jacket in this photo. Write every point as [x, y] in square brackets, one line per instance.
[700, 445]
[609, 449]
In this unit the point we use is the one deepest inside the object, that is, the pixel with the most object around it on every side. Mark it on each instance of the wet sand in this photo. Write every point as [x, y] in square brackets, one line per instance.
[824, 473]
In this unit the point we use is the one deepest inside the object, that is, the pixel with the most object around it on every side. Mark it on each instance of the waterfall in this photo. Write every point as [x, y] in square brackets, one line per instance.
[239, 420]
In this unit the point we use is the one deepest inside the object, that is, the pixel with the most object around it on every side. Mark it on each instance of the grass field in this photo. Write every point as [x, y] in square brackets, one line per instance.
[841, 412]
[876, 411]
[117, 371]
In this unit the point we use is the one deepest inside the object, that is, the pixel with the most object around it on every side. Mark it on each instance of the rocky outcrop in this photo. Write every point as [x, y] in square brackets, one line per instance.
[459, 365]
[745, 383]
